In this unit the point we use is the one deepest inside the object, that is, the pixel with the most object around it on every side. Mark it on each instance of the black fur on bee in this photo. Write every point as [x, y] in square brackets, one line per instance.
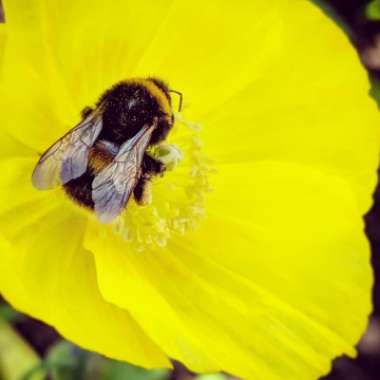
[128, 107]
[125, 108]
[79, 189]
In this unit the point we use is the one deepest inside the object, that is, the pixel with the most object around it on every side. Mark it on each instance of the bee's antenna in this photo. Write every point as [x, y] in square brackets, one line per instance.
[180, 99]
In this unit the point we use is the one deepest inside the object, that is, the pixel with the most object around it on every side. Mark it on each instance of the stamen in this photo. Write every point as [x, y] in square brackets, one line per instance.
[178, 197]
[169, 154]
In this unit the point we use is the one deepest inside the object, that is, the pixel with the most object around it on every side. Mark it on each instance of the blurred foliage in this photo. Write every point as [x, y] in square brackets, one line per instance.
[375, 90]
[212, 377]
[8, 313]
[66, 361]
[373, 10]
[332, 13]
[17, 357]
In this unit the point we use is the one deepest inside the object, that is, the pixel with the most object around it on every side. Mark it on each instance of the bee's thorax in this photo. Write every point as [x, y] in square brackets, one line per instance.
[129, 105]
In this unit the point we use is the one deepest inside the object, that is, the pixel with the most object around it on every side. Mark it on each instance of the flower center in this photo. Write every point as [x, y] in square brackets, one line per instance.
[177, 198]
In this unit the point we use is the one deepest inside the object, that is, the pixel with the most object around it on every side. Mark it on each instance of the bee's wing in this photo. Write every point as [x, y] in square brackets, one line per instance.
[67, 158]
[113, 186]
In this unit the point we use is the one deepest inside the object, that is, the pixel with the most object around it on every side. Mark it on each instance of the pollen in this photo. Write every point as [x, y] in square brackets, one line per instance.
[177, 197]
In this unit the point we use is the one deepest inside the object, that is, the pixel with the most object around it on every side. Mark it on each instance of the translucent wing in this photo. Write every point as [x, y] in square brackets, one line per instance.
[68, 157]
[113, 186]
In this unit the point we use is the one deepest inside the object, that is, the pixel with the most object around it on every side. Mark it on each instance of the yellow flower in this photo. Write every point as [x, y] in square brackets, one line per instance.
[251, 258]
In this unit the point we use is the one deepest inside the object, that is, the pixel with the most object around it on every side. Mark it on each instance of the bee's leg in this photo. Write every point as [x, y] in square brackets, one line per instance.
[152, 166]
[149, 168]
[86, 112]
[142, 192]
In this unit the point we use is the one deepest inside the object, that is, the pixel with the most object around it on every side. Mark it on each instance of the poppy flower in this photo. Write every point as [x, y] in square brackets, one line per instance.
[251, 256]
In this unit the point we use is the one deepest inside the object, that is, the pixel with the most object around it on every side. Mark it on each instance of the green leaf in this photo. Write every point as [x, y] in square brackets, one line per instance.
[373, 10]
[17, 358]
[66, 361]
[375, 89]
[217, 376]
[9, 314]
[122, 371]
[62, 354]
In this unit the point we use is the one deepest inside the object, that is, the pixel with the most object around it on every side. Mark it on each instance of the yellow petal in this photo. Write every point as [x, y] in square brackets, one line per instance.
[63, 56]
[310, 106]
[53, 278]
[75, 52]
[16, 187]
[261, 288]
[211, 50]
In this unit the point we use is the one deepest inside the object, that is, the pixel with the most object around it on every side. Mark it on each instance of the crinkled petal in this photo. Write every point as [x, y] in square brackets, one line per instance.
[309, 105]
[211, 50]
[45, 272]
[261, 290]
[64, 55]
[61, 56]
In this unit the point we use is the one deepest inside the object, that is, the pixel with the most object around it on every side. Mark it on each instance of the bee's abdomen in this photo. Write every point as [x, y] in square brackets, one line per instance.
[80, 189]
[101, 155]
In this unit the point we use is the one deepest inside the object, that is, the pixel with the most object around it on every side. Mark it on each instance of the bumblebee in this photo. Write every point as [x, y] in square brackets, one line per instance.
[103, 160]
